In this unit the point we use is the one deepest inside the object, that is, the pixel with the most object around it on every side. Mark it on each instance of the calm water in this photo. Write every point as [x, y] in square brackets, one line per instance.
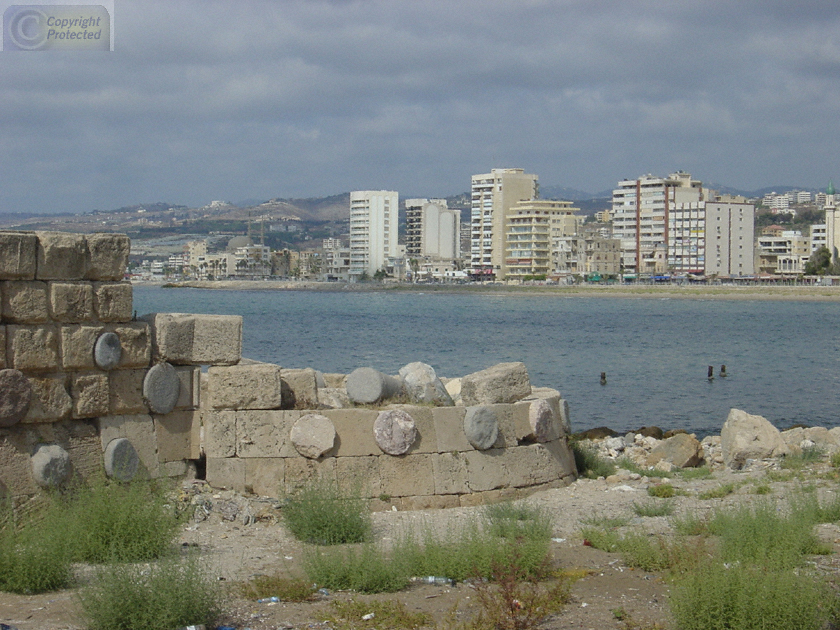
[782, 357]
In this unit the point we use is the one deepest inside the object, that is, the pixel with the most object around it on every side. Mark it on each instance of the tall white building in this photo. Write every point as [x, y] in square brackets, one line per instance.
[432, 229]
[730, 240]
[373, 230]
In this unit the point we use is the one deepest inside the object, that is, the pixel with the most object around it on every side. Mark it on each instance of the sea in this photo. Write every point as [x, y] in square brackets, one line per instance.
[782, 358]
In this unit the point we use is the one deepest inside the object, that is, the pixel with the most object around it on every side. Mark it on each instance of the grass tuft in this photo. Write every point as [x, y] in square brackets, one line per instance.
[34, 559]
[589, 463]
[364, 568]
[320, 513]
[799, 461]
[514, 522]
[653, 508]
[350, 615]
[723, 490]
[284, 588]
[703, 472]
[662, 491]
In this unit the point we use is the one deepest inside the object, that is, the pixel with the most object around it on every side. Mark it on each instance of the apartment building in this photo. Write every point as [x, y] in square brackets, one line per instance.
[818, 237]
[534, 229]
[729, 238]
[373, 230]
[432, 229]
[782, 255]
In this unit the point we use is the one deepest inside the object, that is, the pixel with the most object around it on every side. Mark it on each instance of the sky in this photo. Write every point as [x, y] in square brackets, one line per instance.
[204, 100]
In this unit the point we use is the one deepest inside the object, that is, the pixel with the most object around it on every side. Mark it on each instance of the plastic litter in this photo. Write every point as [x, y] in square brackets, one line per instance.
[268, 600]
[323, 591]
[368, 616]
[5, 626]
[199, 627]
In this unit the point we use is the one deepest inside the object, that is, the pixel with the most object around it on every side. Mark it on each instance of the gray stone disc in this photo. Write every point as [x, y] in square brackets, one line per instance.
[50, 465]
[481, 426]
[107, 351]
[161, 388]
[15, 397]
[121, 460]
[394, 431]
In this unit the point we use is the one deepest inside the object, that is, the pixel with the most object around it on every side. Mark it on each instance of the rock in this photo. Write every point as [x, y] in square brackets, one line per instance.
[50, 465]
[121, 460]
[299, 388]
[654, 432]
[394, 431]
[745, 436]
[313, 435]
[681, 450]
[501, 383]
[423, 386]
[630, 439]
[333, 398]
[453, 388]
[545, 425]
[15, 397]
[366, 385]
[615, 443]
[598, 433]
[107, 351]
[481, 426]
[161, 388]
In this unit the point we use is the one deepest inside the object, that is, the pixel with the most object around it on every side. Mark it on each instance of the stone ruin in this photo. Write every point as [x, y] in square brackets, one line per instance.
[85, 385]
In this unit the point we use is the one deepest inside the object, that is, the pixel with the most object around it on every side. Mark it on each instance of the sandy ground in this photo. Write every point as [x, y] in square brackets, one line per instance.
[235, 551]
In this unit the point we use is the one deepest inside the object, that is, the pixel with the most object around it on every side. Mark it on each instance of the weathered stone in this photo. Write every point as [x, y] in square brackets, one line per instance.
[70, 302]
[25, 302]
[121, 460]
[161, 387]
[394, 431]
[423, 386]
[681, 450]
[598, 433]
[226, 474]
[91, 395]
[654, 432]
[139, 429]
[177, 436]
[358, 475]
[136, 342]
[3, 346]
[107, 351]
[333, 398]
[50, 465]
[127, 392]
[485, 470]
[32, 348]
[302, 471]
[411, 475]
[543, 420]
[481, 426]
[334, 380]
[299, 389]
[450, 473]
[108, 256]
[18, 254]
[77, 343]
[62, 256]
[453, 388]
[265, 476]
[190, 379]
[366, 385]
[265, 433]
[426, 441]
[15, 397]
[449, 429]
[219, 433]
[249, 385]
[112, 301]
[190, 339]
[313, 435]
[745, 436]
[501, 383]
[355, 431]
[50, 400]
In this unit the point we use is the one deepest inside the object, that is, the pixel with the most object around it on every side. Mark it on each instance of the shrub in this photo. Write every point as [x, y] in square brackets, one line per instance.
[365, 569]
[690, 525]
[589, 463]
[515, 522]
[34, 560]
[800, 460]
[653, 508]
[835, 459]
[284, 588]
[703, 472]
[721, 491]
[320, 513]
[386, 615]
[662, 491]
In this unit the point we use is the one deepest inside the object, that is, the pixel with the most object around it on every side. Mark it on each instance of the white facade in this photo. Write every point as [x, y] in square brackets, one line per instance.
[818, 237]
[729, 239]
[432, 229]
[373, 230]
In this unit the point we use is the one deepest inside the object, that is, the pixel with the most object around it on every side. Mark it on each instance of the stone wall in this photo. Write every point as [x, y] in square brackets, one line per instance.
[85, 385]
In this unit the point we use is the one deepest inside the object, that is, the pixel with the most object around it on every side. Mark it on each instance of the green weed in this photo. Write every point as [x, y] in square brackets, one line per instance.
[653, 508]
[284, 588]
[514, 522]
[723, 490]
[690, 525]
[363, 568]
[628, 464]
[662, 491]
[34, 559]
[589, 463]
[703, 472]
[762, 489]
[835, 459]
[353, 615]
[320, 513]
[606, 522]
[799, 461]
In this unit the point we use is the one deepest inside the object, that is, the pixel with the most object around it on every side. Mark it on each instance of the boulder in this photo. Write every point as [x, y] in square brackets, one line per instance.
[745, 436]
[681, 450]
[453, 388]
[50, 465]
[366, 385]
[501, 383]
[481, 426]
[423, 386]
[654, 432]
[598, 433]
[394, 431]
[544, 420]
[313, 435]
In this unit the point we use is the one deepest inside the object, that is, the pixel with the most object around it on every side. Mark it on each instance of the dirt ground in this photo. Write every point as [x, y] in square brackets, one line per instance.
[235, 551]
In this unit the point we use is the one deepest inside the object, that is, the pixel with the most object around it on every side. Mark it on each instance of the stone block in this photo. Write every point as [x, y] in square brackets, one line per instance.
[453, 388]
[265, 476]
[426, 441]
[354, 429]
[681, 450]
[62, 256]
[359, 474]
[127, 392]
[15, 465]
[174, 433]
[190, 379]
[334, 380]
[91, 395]
[219, 433]
[501, 383]
[70, 302]
[331, 398]
[423, 386]
[528, 465]
[179, 468]
[32, 348]
[429, 503]
[514, 425]
[301, 471]
[299, 389]
[485, 470]
[18, 255]
[113, 301]
[15, 397]
[407, 476]
[244, 386]
[136, 343]
[139, 429]
[77, 343]
[561, 453]
[25, 302]
[450, 473]
[265, 433]
[449, 429]
[108, 256]
[226, 473]
[189, 339]
[50, 400]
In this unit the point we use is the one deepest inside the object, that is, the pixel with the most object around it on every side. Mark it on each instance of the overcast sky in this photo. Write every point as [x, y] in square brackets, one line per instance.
[231, 100]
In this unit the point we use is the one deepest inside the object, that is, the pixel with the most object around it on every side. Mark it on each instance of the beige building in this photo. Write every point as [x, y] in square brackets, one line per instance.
[729, 239]
[782, 255]
[432, 229]
[374, 218]
[533, 231]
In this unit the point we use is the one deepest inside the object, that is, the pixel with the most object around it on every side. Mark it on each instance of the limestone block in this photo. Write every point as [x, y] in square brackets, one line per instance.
[265, 433]
[450, 472]
[50, 400]
[244, 386]
[559, 409]
[423, 386]
[178, 468]
[136, 342]
[139, 429]
[334, 380]
[429, 503]
[425, 441]
[453, 388]
[175, 433]
[501, 383]
[189, 339]
[226, 473]
[394, 431]
[358, 475]
[514, 424]
[301, 471]
[481, 426]
[532, 464]
[62, 256]
[219, 433]
[406, 476]
[190, 385]
[18, 255]
[127, 392]
[108, 256]
[32, 348]
[333, 398]
[745, 436]
[25, 302]
[77, 343]
[161, 388]
[265, 476]
[365, 385]
[121, 460]
[51, 465]
[544, 420]
[112, 301]
[15, 465]
[681, 450]
[313, 435]
[354, 428]
[485, 470]
[449, 429]
[91, 395]
[70, 302]
[107, 351]
[15, 397]
[299, 388]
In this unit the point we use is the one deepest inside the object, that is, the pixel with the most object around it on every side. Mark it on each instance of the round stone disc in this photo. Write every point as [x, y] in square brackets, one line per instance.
[15, 397]
[107, 351]
[161, 388]
[121, 460]
[50, 465]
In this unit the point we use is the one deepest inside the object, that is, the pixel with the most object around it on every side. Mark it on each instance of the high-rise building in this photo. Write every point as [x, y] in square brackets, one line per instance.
[729, 238]
[534, 229]
[493, 196]
[432, 229]
[373, 230]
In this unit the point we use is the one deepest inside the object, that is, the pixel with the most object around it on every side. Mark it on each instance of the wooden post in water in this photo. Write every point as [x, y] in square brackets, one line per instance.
[603, 378]
[711, 375]
[723, 371]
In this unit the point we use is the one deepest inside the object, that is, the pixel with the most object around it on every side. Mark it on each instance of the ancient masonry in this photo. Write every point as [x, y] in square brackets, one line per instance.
[85, 386]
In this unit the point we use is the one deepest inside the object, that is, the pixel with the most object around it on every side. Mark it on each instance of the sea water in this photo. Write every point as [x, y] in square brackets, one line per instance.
[782, 357]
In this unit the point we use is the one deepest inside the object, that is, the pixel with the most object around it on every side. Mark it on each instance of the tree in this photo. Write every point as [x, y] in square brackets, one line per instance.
[819, 263]
[380, 275]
